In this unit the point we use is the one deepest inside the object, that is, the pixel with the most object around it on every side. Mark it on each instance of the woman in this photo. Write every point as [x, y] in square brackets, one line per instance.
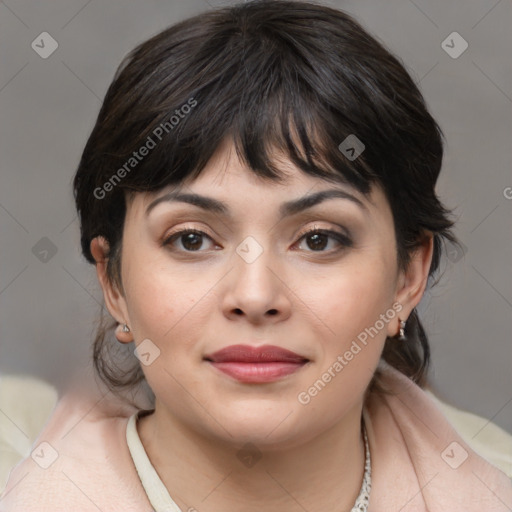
[258, 198]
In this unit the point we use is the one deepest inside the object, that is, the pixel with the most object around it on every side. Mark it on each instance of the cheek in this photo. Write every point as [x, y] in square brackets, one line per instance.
[170, 303]
[355, 298]
[351, 306]
[160, 303]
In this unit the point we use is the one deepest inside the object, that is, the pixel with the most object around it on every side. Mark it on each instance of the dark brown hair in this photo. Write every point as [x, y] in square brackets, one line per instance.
[296, 77]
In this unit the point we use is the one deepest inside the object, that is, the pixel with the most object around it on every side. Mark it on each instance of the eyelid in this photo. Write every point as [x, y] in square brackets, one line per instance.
[339, 230]
[343, 231]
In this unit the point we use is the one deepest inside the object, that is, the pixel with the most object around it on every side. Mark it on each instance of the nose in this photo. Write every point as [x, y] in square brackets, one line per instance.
[256, 290]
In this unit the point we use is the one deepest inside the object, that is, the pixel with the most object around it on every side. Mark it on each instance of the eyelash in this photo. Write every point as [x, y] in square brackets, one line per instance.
[342, 239]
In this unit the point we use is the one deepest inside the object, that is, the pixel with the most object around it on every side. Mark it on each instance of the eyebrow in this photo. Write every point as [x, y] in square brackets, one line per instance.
[288, 208]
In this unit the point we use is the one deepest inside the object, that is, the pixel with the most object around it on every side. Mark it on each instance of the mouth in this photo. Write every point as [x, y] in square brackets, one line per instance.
[266, 363]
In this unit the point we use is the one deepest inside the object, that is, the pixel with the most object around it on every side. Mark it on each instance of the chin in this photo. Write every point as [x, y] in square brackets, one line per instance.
[269, 427]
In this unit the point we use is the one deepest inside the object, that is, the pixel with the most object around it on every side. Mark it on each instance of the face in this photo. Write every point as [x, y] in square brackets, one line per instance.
[320, 280]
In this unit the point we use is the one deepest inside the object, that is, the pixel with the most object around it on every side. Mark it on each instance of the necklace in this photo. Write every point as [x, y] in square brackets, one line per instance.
[362, 501]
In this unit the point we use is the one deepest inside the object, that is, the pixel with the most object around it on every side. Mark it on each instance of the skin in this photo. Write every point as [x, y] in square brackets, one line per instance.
[311, 300]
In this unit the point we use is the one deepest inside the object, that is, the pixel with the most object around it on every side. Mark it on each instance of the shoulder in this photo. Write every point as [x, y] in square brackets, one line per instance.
[412, 441]
[485, 437]
[79, 462]
[25, 404]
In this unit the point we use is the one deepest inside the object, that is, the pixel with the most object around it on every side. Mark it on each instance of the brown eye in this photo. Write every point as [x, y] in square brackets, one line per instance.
[318, 239]
[191, 240]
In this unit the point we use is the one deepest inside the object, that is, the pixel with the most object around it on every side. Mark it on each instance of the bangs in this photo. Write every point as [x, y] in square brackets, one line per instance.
[266, 126]
[270, 95]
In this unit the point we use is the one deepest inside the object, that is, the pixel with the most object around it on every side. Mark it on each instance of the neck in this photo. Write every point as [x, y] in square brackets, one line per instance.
[211, 475]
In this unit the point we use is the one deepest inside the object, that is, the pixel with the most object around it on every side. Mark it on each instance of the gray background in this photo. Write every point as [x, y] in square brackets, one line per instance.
[47, 109]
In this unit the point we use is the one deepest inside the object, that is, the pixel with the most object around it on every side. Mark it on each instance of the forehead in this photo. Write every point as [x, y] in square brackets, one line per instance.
[227, 179]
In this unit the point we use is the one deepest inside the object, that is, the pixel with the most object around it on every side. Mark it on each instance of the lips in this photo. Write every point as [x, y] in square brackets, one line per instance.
[263, 364]
[261, 354]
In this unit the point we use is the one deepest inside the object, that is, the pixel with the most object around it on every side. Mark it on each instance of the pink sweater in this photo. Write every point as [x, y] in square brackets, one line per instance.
[419, 462]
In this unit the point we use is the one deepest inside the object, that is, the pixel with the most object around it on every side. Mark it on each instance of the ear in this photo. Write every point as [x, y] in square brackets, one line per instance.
[413, 281]
[114, 299]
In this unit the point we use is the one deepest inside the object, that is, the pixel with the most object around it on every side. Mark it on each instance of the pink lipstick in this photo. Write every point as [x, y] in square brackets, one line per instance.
[266, 363]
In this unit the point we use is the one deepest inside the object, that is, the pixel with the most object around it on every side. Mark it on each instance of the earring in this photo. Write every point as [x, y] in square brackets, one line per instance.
[122, 333]
[401, 335]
